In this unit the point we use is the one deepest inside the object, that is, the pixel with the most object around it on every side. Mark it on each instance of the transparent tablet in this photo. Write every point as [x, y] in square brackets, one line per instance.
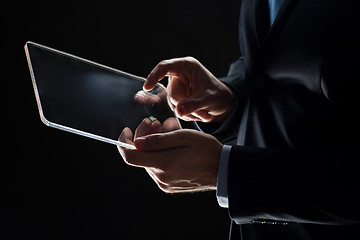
[90, 99]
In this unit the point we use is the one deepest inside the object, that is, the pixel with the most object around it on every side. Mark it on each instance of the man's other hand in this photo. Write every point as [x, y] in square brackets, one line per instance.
[195, 93]
[178, 161]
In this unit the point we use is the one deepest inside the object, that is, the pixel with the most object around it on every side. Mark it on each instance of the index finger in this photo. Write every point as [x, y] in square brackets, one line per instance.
[171, 67]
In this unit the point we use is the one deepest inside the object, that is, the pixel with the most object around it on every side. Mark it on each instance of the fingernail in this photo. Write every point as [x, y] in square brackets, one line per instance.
[147, 121]
[146, 87]
[126, 135]
[155, 123]
[156, 127]
[181, 109]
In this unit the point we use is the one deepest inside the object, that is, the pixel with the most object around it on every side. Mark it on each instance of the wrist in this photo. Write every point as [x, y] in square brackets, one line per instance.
[213, 177]
[227, 102]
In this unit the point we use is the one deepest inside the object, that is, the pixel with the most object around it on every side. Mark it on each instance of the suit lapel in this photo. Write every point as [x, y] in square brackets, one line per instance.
[247, 33]
[263, 32]
[283, 9]
[261, 20]
[251, 44]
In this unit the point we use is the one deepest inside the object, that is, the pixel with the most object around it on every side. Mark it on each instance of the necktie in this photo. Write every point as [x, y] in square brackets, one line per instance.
[274, 6]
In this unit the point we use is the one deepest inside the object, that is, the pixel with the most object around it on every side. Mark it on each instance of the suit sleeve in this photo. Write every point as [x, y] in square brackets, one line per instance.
[294, 185]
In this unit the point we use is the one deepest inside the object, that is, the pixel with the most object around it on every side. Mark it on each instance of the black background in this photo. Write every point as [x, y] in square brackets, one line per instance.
[56, 185]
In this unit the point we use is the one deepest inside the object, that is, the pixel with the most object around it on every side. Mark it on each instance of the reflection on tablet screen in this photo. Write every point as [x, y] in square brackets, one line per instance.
[93, 100]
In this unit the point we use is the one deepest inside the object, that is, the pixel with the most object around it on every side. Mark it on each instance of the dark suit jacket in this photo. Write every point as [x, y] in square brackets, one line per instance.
[297, 161]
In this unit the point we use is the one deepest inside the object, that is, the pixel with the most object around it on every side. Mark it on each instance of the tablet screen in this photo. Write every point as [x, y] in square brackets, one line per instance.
[86, 98]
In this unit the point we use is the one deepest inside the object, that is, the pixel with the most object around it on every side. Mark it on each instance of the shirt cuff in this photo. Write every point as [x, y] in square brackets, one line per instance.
[222, 178]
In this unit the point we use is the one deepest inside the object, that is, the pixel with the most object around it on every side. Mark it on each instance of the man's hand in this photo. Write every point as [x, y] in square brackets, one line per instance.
[194, 92]
[181, 160]
[178, 161]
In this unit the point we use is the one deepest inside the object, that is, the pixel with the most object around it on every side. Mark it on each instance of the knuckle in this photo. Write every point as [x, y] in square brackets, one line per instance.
[207, 120]
[130, 157]
[190, 59]
[124, 154]
[126, 159]
[164, 188]
[163, 178]
[163, 63]
[167, 190]
[152, 142]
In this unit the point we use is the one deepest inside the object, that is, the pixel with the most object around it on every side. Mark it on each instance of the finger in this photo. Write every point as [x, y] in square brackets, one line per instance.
[171, 67]
[146, 98]
[157, 150]
[170, 124]
[164, 141]
[203, 115]
[189, 118]
[155, 127]
[147, 127]
[154, 172]
[166, 186]
[161, 185]
[126, 136]
[178, 89]
[144, 128]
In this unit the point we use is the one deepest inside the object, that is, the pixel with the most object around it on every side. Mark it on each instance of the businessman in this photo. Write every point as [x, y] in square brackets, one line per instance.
[291, 103]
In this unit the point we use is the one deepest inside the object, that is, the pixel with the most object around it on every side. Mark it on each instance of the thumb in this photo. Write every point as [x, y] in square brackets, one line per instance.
[163, 141]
